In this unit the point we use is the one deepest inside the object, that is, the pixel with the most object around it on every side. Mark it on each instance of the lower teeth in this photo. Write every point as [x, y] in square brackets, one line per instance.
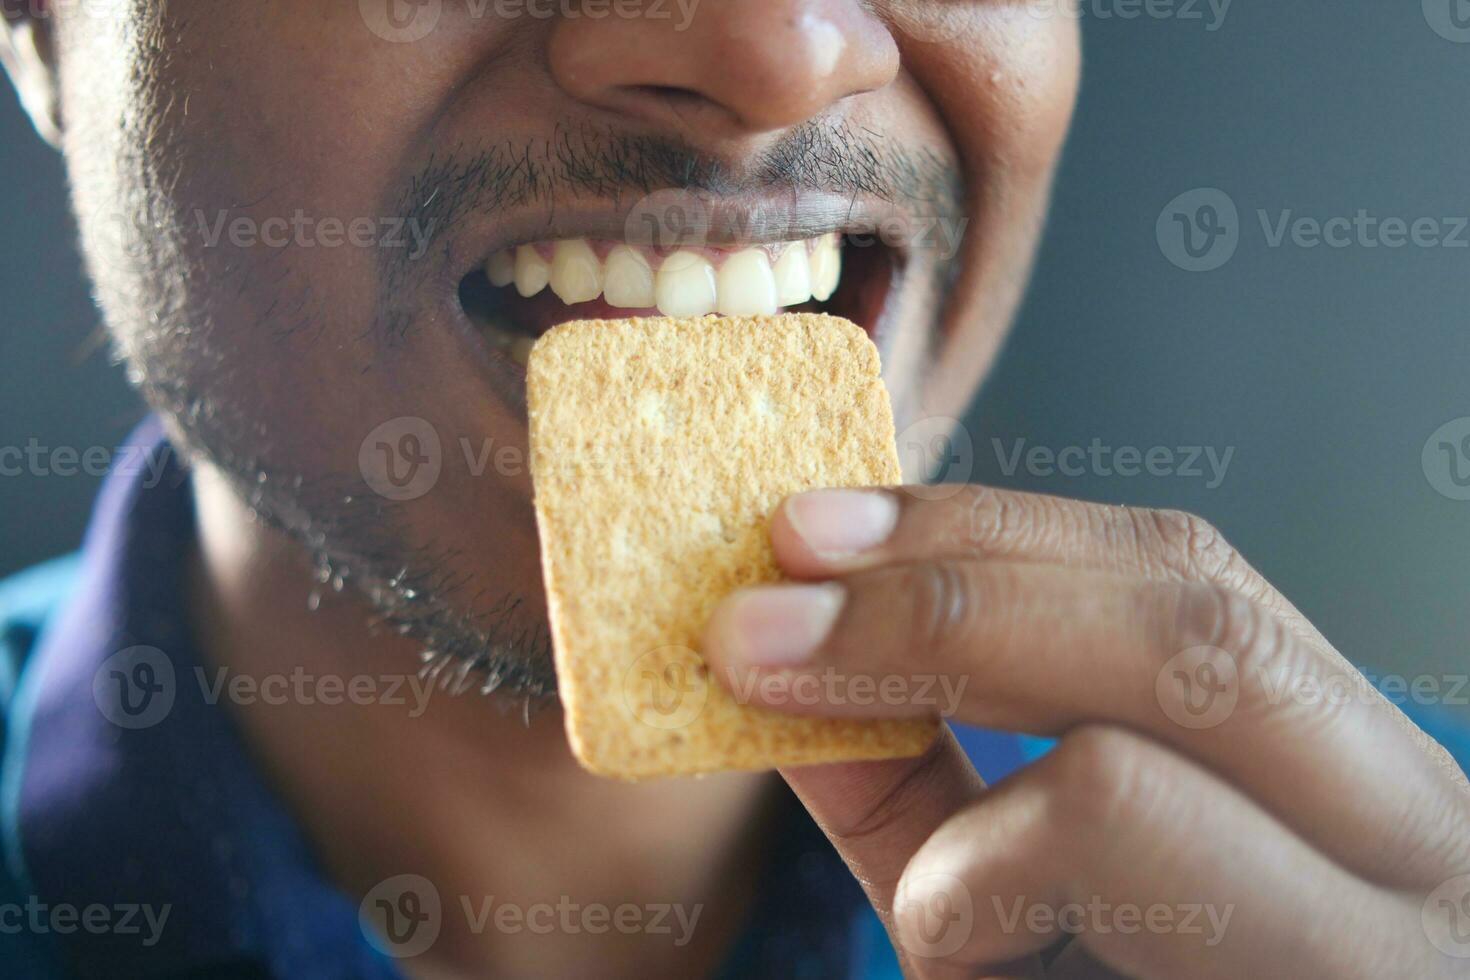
[520, 350]
[516, 344]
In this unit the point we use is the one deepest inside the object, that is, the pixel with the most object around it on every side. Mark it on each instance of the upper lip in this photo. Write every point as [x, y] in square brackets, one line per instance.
[711, 220]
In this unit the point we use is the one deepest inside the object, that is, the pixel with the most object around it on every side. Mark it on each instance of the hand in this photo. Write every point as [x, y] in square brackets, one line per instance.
[1228, 796]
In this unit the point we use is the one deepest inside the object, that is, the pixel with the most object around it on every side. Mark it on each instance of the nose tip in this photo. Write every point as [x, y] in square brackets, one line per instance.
[737, 66]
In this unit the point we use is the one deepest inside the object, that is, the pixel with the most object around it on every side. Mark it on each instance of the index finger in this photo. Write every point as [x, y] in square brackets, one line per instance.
[832, 533]
[822, 533]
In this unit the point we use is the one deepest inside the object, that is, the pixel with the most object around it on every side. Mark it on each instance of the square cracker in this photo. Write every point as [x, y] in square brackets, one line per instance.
[659, 450]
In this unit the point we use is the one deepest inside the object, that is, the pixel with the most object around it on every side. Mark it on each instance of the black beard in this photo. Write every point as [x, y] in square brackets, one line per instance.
[412, 590]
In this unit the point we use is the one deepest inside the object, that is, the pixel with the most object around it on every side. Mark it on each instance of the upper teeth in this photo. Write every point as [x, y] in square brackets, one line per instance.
[686, 283]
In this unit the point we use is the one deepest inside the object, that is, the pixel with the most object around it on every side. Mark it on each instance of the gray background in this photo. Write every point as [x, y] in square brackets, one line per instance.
[1325, 369]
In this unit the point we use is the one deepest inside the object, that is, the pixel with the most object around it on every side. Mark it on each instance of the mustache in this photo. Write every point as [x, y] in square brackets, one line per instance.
[606, 164]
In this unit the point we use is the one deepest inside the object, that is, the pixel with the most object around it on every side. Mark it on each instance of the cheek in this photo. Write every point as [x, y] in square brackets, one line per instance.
[1038, 88]
[285, 128]
[268, 121]
[258, 170]
[1011, 88]
[1005, 82]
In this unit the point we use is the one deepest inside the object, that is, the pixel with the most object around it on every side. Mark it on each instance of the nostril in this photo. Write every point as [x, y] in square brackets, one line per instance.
[665, 91]
[679, 99]
[677, 106]
[740, 68]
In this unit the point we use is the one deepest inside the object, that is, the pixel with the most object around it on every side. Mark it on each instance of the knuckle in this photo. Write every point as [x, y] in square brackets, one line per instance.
[943, 607]
[1276, 675]
[1104, 778]
[996, 521]
[1189, 547]
[1209, 615]
[951, 952]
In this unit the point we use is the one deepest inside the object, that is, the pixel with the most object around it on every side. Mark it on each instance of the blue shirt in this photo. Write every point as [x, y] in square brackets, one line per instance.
[139, 841]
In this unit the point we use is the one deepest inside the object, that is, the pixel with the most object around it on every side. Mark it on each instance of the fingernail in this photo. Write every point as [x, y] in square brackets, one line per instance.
[841, 523]
[775, 625]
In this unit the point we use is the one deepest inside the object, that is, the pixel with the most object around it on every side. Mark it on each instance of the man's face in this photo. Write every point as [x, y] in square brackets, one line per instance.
[289, 207]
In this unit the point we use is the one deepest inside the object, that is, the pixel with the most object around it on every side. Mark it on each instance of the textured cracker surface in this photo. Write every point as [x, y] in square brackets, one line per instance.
[659, 450]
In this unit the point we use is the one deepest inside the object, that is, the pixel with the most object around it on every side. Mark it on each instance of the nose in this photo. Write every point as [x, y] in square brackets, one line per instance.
[722, 67]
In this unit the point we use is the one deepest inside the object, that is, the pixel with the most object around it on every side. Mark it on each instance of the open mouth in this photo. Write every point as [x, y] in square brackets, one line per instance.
[521, 293]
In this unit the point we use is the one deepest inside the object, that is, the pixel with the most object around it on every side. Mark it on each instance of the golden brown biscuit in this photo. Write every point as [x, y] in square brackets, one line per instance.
[659, 450]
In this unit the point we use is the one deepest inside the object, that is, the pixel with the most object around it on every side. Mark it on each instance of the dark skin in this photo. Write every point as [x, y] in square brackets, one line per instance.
[272, 364]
